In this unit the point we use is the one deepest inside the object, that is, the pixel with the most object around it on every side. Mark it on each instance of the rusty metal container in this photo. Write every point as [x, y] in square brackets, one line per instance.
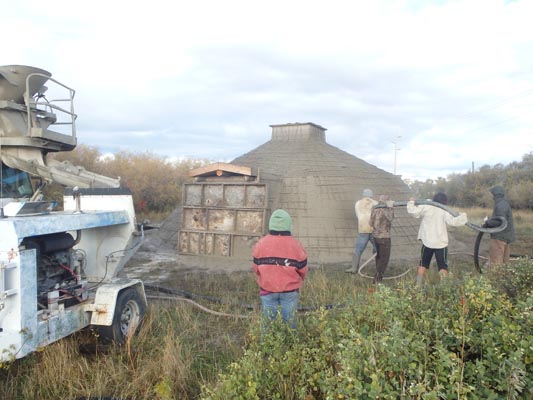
[223, 213]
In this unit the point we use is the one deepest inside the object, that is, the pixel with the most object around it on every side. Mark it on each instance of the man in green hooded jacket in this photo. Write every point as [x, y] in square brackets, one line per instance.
[500, 249]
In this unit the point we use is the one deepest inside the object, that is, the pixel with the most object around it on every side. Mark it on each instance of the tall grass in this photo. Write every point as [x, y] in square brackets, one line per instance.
[177, 349]
[180, 348]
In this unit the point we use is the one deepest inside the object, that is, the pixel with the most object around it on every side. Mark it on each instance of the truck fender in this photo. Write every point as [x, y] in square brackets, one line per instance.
[103, 308]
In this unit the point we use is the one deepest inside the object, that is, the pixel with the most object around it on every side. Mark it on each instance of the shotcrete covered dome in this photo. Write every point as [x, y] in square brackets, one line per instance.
[318, 185]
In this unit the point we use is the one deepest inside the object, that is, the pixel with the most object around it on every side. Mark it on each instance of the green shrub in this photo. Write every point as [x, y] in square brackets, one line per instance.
[514, 279]
[453, 340]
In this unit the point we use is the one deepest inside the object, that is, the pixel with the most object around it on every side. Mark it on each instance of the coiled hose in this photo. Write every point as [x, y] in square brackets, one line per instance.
[454, 213]
[480, 229]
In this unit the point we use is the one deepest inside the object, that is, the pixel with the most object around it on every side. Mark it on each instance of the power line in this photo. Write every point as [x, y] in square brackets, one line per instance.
[499, 104]
[489, 125]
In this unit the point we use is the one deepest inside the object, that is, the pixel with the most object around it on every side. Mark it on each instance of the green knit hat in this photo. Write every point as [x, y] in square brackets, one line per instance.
[280, 221]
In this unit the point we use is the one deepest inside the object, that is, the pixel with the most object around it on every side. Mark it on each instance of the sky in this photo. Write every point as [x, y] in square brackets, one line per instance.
[420, 88]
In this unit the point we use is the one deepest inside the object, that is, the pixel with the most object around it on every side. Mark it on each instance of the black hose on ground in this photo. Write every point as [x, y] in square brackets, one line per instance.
[184, 294]
[191, 296]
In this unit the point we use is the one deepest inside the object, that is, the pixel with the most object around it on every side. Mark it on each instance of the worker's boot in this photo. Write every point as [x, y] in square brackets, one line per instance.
[419, 281]
[355, 264]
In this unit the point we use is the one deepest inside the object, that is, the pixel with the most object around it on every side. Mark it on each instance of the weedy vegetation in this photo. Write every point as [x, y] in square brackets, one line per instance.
[465, 337]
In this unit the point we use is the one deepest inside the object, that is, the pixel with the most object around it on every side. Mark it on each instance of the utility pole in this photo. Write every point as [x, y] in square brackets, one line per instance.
[396, 149]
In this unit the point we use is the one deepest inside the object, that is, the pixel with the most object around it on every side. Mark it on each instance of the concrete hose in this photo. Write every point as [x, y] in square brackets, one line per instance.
[205, 309]
[360, 271]
[180, 295]
[476, 252]
[480, 229]
[454, 213]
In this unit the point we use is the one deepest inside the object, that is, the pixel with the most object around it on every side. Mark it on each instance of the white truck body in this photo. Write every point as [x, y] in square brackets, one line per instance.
[59, 270]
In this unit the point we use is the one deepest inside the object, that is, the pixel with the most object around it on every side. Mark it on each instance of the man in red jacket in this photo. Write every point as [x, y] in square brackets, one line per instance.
[280, 262]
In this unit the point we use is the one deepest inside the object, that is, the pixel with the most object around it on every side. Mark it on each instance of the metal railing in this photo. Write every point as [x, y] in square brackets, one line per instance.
[32, 105]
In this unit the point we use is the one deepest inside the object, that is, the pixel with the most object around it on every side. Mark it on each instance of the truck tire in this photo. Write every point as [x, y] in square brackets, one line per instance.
[129, 312]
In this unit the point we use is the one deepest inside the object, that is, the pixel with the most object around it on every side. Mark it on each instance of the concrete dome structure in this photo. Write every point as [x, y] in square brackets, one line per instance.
[318, 185]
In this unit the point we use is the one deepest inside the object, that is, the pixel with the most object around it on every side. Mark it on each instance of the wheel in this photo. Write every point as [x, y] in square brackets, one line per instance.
[129, 312]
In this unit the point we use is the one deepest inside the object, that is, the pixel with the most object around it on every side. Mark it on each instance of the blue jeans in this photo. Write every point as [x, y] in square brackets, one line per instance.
[286, 301]
[362, 242]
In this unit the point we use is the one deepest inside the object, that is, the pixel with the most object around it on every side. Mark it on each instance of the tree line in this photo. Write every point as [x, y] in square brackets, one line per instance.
[472, 188]
[156, 183]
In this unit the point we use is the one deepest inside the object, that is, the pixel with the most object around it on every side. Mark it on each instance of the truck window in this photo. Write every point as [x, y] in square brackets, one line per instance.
[15, 183]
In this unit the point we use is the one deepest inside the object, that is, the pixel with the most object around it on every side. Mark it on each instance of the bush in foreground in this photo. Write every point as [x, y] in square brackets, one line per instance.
[515, 279]
[454, 340]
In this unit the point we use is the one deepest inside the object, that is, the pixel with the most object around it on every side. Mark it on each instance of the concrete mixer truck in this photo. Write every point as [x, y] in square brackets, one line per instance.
[59, 270]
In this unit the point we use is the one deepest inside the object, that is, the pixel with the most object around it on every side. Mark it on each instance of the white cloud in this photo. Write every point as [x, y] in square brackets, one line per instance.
[207, 78]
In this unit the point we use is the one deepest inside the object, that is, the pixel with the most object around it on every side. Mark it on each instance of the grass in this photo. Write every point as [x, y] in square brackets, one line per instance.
[177, 349]
[180, 348]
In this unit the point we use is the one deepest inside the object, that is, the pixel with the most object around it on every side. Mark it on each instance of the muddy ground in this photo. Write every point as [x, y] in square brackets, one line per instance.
[158, 263]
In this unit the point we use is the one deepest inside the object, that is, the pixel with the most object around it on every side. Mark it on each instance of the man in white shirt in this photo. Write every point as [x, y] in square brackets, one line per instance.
[433, 233]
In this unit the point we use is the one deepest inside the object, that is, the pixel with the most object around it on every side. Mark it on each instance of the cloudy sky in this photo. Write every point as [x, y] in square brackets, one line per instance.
[447, 84]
